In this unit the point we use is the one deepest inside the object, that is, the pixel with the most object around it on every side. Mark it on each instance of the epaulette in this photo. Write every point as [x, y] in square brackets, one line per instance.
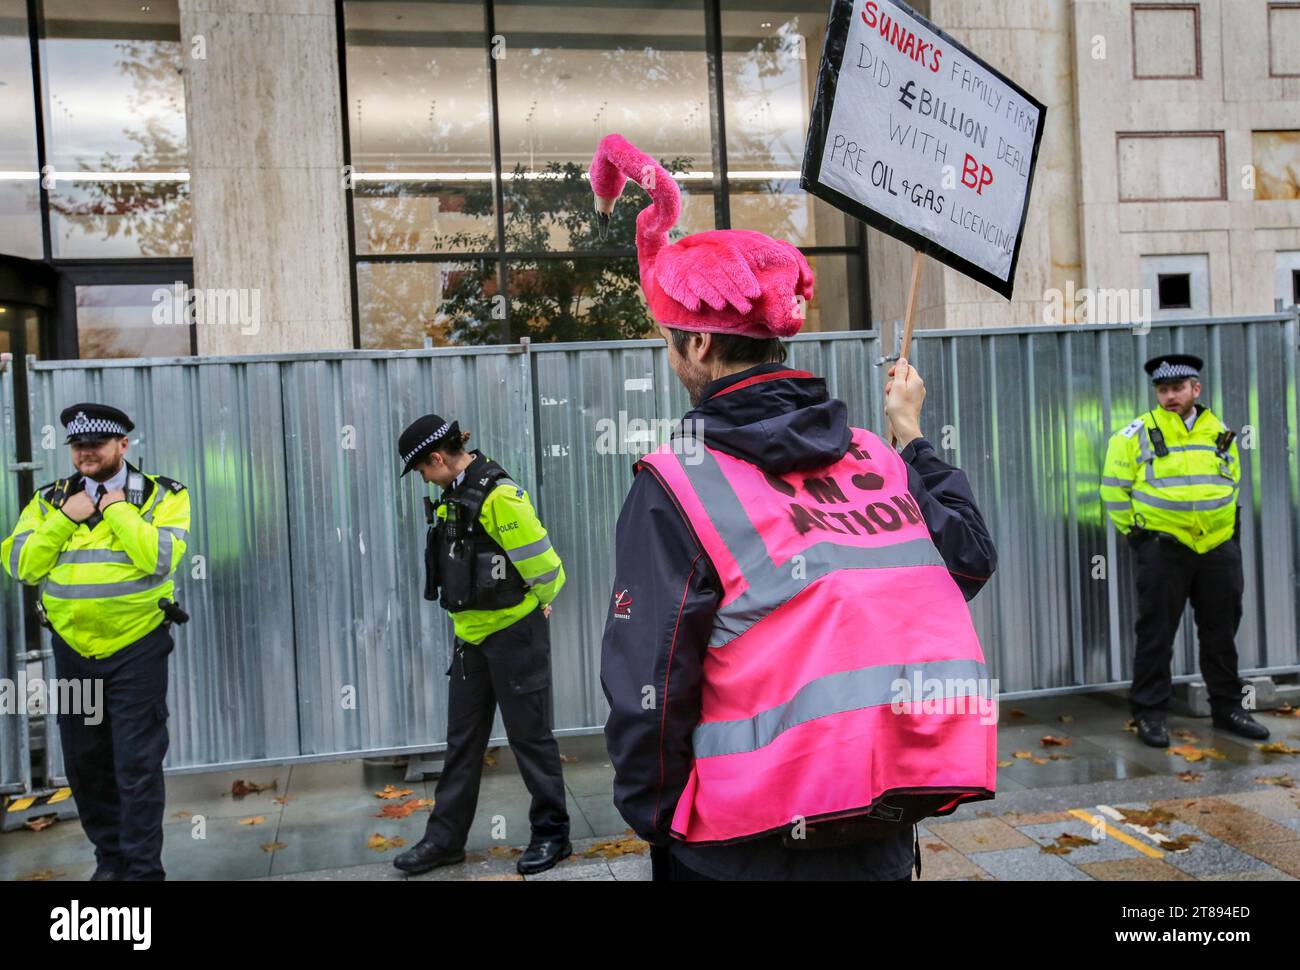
[168, 483]
[1132, 429]
[55, 492]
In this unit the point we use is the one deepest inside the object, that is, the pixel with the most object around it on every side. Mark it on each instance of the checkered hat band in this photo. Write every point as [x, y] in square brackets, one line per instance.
[84, 425]
[1167, 371]
[441, 432]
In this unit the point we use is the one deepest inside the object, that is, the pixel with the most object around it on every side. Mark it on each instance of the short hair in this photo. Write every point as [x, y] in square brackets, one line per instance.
[733, 348]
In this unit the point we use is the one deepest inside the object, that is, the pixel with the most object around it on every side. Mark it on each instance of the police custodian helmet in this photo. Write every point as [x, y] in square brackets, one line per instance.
[94, 423]
[423, 435]
[1168, 368]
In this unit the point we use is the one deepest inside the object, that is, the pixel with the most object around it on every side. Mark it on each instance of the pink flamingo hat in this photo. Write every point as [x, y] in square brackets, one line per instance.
[720, 281]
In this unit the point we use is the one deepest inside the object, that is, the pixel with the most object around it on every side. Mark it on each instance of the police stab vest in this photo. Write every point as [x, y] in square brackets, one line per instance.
[472, 570]
[843, 678]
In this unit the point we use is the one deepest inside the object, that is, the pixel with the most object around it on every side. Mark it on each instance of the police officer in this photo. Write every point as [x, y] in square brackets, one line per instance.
[1170, 485]
[490, 564]
[103, 544]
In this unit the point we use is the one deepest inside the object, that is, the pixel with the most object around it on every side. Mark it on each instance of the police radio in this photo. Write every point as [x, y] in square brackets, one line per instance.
[432, 565]
[1158, 443]
[1223, 443]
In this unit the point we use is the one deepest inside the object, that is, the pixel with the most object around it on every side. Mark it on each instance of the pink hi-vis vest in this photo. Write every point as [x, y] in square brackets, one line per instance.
[842, 666]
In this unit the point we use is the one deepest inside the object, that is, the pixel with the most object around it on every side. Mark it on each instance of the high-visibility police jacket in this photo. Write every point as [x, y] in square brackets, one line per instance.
[508, 517]
[843, 675]
[101, 580]
[1189, 493]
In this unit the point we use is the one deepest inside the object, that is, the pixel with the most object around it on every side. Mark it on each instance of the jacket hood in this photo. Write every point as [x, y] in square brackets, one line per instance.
[775, 417]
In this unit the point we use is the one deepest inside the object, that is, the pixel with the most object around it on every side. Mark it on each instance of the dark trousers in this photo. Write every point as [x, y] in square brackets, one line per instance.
[512, 668]
[115, 767]
[1168, 575]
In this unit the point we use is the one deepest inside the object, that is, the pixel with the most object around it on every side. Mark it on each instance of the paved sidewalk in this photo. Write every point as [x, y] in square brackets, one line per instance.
[1101, 805]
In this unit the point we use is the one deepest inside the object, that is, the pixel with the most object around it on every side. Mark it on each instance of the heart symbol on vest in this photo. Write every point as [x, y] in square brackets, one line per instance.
[869, 482]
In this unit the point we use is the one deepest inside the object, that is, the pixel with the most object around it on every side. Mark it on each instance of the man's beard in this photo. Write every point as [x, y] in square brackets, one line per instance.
[695, 382]
[105, 474]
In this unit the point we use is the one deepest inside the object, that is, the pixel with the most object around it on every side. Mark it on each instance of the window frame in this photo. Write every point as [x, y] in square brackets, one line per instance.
[858, 295]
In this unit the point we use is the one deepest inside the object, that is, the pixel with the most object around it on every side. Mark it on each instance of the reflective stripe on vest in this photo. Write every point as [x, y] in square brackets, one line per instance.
[833, 599]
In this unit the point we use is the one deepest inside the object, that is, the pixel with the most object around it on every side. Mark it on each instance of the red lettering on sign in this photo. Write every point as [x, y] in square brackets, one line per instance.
[974, 175]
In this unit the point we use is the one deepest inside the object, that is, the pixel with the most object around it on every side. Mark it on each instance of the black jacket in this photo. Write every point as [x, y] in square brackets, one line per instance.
[666, 593]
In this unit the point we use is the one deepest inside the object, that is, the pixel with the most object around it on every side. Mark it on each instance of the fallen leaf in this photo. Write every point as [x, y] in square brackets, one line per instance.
[390, 791]
[568, 759]
[1277, 747]
[382, 844]
[1066, 718]
[1182, 734]
[501, 877]
[504, 851]
[40, 822]
[1131, 726]
[1050, 741]
[1151, 818]
[1189, 776]
[40, 875]
[241, 788]
[1021, 755]
[1190, 752]
[617, 847]
[283, 799]
[1180, 844]
[402, 809]
[936, 847]
[273, 846]
[490, 759]
[1060, 757]
[1039, 761]
[1005, 764]
[1282, 781]
[255, 820]
[1074, 841]
[182, 814]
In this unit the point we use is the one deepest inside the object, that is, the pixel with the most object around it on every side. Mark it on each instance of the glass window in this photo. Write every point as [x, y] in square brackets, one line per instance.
[577, 299]
[401, 304]
[570, 73]
[770, 57]
[420, 128]
[115, 129]
[131, 320]
[20, 214]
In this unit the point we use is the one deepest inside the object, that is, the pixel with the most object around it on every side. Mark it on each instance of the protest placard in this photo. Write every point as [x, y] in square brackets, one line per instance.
[919, 138]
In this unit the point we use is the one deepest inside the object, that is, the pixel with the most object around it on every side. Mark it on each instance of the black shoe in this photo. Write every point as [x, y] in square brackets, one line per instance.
[1239, 722]
[1153, 732]
[425, 855]
[105, 874]
[542, 855]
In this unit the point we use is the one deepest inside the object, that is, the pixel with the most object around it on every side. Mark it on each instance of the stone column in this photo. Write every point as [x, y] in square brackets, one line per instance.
[262, 102]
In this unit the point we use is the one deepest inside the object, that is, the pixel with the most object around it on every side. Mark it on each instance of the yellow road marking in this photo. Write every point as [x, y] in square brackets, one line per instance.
[1115, 833]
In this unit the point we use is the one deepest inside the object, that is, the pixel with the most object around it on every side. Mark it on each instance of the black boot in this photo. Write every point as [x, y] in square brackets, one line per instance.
[1153, 732]
[106, 874]
[425, 855]
[1237, 721]
[542, 854]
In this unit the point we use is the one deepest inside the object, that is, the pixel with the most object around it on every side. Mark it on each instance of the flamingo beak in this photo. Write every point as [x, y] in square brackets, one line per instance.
[604, 208]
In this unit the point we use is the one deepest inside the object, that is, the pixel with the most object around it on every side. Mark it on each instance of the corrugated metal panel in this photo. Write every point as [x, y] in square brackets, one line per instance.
[372, 654]
[15, 765]
[216, 427]
[1027, 414]
[310, 637]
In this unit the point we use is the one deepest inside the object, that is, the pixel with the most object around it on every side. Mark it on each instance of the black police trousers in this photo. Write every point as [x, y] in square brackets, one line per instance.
[511, 667]
[115, 766]
[1168, 575]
